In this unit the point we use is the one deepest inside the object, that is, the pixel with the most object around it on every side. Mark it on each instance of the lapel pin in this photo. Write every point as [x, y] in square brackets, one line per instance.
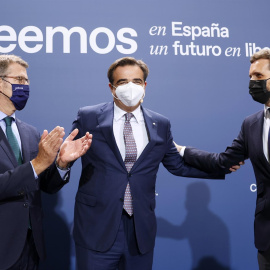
[154, 124]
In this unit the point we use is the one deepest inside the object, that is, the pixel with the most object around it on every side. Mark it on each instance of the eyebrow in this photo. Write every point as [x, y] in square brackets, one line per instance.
[124, 80]
[121, 80]
[255, 74]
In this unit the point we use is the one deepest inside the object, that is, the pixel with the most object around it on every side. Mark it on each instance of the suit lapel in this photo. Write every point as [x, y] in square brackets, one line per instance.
[4, 144]
[151, 127]
[256, 128]
[25, 141]
[105, 120]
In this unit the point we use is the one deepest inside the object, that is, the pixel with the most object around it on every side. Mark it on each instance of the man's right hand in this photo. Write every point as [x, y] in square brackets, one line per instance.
[48, 148]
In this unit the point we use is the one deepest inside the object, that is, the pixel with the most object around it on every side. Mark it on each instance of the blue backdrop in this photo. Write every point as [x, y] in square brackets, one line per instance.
[198, 54]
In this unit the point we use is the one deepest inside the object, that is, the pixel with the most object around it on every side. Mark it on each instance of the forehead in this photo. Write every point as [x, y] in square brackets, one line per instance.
[16, 70]
[261, 65]
[127, 72]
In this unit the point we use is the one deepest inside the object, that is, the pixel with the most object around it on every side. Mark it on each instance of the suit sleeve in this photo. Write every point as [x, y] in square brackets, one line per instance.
[212, 162]
[51, 181]
[175, 164]
[17, 182]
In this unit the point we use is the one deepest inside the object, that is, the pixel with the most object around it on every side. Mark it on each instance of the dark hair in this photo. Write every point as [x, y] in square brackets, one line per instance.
[127, 61]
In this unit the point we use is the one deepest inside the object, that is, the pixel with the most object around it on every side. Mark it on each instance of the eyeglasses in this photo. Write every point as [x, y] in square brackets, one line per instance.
[20, 79]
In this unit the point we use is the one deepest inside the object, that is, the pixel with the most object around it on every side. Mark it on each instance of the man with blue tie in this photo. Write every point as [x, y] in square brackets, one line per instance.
[114, 221]
[252, 142]
[27, 167]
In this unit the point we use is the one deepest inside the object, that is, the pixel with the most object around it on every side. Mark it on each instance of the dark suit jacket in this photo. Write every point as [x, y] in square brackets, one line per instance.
[99, 200]
[20, 196]
[248, 144]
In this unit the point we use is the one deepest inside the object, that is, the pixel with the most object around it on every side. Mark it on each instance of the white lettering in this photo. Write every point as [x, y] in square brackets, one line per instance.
[197, 31]
[192, 49]
[31, 34]
[66, 38]
[93, 40]
[175, 28]
[123, 39]
[253, 187]
[11, 37]
[22, 38]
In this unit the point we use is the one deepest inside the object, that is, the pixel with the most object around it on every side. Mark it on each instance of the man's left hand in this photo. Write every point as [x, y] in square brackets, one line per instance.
[71, 150]
[236, 167]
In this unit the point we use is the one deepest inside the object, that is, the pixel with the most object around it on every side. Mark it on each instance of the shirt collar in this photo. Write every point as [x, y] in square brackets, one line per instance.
[266, 113]
[3, 115]
[119, 113]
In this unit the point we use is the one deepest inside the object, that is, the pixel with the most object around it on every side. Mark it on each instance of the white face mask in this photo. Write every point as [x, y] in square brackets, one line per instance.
[130, 94]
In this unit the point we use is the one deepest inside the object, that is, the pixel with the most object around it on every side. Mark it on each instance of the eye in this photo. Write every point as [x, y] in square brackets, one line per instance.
[138, 81]
[122, 83]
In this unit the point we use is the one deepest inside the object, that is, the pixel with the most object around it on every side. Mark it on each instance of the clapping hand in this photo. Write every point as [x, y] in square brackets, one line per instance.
[71, 150]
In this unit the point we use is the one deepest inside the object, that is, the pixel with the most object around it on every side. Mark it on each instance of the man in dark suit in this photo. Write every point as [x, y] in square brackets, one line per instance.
[252, 142]
[25, 170]
[114, 222]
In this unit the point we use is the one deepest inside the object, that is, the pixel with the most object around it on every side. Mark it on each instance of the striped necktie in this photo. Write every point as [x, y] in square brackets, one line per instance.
[12, 140]
[130, 159]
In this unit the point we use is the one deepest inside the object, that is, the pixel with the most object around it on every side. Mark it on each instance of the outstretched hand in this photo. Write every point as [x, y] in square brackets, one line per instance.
[236, 167]
[72, 150]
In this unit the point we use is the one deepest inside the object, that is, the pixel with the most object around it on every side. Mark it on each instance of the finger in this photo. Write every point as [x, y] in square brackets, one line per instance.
[54, 136]
[86, 139]
[88, 136]
[232, 170]
[241, 162]
[44, 134]
[72, 135]
[52, 142]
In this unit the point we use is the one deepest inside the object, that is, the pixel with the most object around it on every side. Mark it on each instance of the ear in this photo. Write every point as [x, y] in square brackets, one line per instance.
[111, 87]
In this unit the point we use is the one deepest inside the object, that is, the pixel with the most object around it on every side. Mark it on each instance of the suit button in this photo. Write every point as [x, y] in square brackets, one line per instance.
[129, 174]
[21, 192]
[121, 199]
[25, 205]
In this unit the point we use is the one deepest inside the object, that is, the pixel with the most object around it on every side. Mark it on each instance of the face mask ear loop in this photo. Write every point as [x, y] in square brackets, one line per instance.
[4, 95]
[113, 94]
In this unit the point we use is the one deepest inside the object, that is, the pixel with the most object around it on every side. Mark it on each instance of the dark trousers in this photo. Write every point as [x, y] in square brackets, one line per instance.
[123, 255]
[264, 259]
[29, 258]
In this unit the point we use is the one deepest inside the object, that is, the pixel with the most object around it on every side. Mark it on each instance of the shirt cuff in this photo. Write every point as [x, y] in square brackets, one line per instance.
[182, 151]
[35, 174]
[63, 173]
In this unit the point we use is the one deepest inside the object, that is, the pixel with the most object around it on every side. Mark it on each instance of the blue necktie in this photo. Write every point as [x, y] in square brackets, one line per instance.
[12, 140]
[130, 159]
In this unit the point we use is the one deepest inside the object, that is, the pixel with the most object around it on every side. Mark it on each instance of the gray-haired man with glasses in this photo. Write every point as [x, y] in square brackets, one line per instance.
[26, 167]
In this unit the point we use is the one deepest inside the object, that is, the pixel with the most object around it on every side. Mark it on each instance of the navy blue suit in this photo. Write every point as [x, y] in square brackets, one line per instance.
[20, 196]
[248, 144]
[104, 177]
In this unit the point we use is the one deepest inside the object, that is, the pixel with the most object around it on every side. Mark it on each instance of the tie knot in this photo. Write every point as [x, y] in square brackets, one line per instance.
[267, 114]
[8, 120]
[128, 116]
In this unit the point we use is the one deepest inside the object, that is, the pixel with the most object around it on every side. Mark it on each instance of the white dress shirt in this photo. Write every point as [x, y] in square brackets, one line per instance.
[266, 126]
[138, 129]
[13, 127]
